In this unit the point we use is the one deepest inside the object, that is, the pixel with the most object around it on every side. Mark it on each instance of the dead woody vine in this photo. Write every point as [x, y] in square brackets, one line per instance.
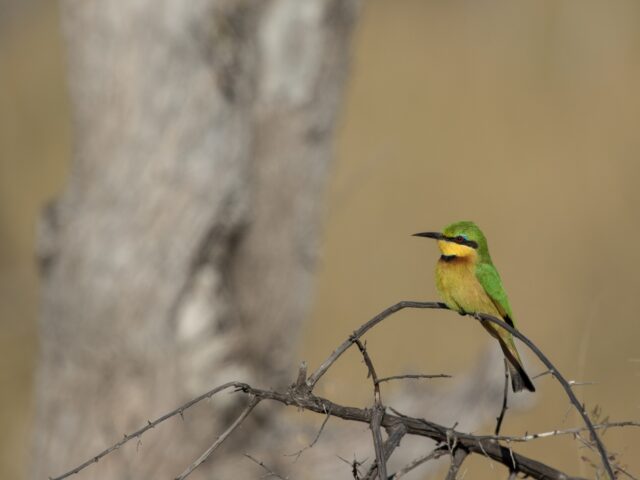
[458, 445]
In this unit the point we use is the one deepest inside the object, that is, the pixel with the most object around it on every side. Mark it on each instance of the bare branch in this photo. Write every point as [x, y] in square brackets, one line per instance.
[415, 426]
[300, 395]
[552, 433]
[488, 446]
[434, 454]
[322, 369]
[395, 436]
[413, 376]
[138, 433]
[625, 473]
[254, 400]
[563, 382]
[504, 399]
[315, 440]
[270, 473]
[457, 458]
[372, 372]
[376, 418]
[376, 422]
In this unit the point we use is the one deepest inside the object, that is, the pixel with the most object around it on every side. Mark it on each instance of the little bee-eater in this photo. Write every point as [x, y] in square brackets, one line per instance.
[469, 283]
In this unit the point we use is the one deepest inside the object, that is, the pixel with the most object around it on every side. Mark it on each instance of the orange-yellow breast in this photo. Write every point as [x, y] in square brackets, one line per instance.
[460, 289]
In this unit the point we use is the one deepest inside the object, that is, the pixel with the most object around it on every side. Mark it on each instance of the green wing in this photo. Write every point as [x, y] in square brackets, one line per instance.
[489, 278]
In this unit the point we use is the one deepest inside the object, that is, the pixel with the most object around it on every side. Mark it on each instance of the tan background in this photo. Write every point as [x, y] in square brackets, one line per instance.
[522, 116]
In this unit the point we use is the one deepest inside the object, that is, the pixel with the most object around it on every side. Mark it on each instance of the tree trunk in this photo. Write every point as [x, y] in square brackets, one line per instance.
[182, 253]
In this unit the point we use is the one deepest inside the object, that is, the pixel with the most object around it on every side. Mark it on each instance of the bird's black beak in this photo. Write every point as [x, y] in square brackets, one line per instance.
[436, 235]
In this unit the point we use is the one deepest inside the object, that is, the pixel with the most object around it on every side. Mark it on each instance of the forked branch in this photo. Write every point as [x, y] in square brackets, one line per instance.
[300, 395]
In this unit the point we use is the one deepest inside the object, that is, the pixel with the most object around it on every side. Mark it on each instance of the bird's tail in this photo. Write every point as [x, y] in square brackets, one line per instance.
[519, 378]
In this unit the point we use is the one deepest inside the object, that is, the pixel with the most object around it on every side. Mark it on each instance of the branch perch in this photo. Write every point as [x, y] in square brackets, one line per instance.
[300, 395]
[313, 379]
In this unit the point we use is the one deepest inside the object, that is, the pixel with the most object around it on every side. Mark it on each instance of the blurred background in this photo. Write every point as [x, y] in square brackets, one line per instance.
[520, 116]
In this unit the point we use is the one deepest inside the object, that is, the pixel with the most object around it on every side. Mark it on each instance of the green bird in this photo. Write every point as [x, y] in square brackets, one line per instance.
[469, 283]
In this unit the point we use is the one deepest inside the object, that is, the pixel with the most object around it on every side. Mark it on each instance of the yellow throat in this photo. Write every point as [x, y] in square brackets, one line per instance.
[450, 248]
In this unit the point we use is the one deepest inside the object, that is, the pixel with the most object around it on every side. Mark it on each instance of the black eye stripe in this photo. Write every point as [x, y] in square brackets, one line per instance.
[462, 241]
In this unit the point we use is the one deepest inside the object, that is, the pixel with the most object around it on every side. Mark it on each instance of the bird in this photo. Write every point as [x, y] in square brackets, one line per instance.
[469, 283]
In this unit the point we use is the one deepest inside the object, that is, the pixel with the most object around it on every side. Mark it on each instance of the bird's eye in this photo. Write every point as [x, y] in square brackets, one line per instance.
[460, 238]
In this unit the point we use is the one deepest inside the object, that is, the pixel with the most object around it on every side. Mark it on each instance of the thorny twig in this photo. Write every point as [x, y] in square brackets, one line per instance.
[253, 401]
[270, 473]
[303, 399]
[563, 382]
[301, 396]
[434, 454]
[138, 433]
[552, 433]
[313, 379]
[376, 417]
[322, 369]
[412, 376]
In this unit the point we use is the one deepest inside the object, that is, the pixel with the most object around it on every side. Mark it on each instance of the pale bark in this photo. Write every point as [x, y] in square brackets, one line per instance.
[182, 252]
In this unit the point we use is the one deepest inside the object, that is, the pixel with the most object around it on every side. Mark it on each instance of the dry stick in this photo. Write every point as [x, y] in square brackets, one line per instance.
[371, 372]
[625, 473]
[395, 436]
[415, 426]
[412, 376]
[270, 473]
[565, 385]
[383, 450]
[504, 399]
[435, 453]
[178, 411]
[376, 422]
[322, 369]
[456, 461]
[302, 397]
[252, 403]
[376, 418]
[552, 433]
[315, 440]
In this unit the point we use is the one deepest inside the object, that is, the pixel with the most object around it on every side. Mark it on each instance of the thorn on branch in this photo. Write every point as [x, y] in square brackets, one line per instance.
[355, 466]
[371, 372]
[270, 472]
[377, 419]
